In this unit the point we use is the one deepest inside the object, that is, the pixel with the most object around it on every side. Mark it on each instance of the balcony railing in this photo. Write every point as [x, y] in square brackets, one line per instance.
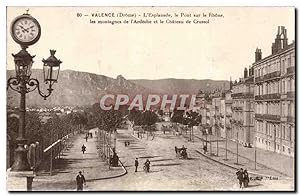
[290, 119]
[259, 116]
[242, 95]
[237, 108]
[273, 75]
[272, 96]
[268, 117]
[259, 79]
[272, 117]
[258, 97]
[291, 94]
[290, 70]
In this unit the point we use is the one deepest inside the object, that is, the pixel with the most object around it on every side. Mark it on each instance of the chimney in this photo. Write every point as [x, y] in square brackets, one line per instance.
[281, 41]
[245, 72]
[258, 55]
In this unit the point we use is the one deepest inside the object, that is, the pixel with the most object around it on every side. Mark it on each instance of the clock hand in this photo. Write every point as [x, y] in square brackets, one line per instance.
[24, 28]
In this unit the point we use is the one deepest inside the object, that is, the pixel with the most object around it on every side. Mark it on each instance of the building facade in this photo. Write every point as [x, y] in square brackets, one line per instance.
[274, 78]
[243, 109]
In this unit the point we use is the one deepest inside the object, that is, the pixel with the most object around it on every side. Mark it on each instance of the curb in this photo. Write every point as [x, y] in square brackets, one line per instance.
[236, 168]
[111, 177]
[135, 137]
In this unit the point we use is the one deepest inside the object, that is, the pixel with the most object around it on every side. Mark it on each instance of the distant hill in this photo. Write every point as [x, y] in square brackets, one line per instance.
[182, 86]
[76, 88]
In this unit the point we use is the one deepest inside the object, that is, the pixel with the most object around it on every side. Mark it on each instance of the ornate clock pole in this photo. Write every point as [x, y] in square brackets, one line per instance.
[26, 31]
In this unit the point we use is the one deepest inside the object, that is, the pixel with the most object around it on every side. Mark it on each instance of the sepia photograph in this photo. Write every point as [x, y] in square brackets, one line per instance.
[150, 98]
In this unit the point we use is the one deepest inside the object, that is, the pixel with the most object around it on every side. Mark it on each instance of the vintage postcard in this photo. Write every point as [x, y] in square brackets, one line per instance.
[150, 99]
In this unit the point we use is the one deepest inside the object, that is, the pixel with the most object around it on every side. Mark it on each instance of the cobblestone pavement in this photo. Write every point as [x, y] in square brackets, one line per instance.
[72, 161]
[170, 173]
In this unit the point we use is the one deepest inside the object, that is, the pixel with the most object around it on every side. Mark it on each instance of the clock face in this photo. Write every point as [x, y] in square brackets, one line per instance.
[25, 30]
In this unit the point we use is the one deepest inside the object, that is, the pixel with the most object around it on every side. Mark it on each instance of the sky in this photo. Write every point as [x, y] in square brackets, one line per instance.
[218, 51]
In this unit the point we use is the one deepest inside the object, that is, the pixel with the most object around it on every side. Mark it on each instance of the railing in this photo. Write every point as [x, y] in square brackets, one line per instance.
[291, 70]
[272, 75]
[258, 97]
[272, 96]
[272, 117]
[268, 117]
[268, 76]
[259, 116]
[242, 95]
[259, 79]
[237, 108]
[291, 94]
[267, 96]
[290, 119]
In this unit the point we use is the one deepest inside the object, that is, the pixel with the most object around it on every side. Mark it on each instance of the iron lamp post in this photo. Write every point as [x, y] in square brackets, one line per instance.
[23, 84]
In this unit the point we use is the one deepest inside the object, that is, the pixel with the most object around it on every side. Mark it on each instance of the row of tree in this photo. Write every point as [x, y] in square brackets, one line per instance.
[43, 131]
[189, 118]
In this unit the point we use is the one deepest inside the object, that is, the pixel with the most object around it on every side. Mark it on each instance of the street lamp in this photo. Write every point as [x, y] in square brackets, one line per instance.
[26, 35]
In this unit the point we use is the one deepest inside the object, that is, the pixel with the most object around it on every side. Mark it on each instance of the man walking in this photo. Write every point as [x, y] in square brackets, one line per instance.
[136, 164]
[240, 177]
[83, 149]
[80, 180]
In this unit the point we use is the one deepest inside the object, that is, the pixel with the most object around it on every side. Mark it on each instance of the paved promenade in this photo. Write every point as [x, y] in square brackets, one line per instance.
[72, 161]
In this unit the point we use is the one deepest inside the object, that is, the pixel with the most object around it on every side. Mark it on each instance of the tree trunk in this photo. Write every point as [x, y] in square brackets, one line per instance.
[115, 139]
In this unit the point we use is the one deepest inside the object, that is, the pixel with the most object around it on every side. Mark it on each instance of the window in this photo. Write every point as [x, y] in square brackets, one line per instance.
[283, 87]
[283, 132]
[277, 146]
[289, 62]
[289, 131]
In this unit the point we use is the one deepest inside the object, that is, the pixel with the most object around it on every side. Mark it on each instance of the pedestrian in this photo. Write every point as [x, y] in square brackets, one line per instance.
[80, 180]
[136, 164]
[204, 149]
[176, 150]
[147, 165]
[240, 177]
[246, 178]
[83, 149]
[86, 137]
[125, 143]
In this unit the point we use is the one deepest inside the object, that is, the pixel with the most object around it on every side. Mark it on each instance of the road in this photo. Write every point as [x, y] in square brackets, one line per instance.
[170, 173]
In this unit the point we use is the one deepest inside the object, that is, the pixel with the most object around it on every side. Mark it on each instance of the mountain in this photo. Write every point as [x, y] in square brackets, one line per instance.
[182, 86]
[76, 88]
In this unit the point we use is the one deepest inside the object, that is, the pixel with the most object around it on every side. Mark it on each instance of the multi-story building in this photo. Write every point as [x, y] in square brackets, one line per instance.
[243, 109]
[227, 132]
[218, 111]
[274, 78]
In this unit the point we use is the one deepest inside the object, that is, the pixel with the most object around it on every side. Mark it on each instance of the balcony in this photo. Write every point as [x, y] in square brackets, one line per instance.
[291, 94]
[258, 97]
[272, 117]
[291, 119]
[248, 95]
[237, 95]
[271, 96]
[237, 108]
[271, 76]
[259, 79]
[290, 70]
[266, 97]
[259, 116]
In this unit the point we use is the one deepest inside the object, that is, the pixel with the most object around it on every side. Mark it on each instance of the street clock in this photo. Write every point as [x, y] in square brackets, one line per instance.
[25, 30]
